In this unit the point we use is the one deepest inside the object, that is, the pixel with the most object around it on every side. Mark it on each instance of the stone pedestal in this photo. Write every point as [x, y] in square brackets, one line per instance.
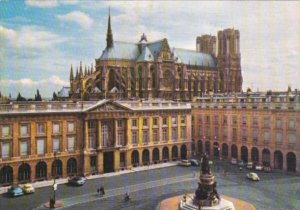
[189, 204]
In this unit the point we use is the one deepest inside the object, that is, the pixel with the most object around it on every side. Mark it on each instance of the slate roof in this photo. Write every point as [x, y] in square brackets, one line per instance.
[121, 50]
[130, 51]
[146, 55]
[191, 57]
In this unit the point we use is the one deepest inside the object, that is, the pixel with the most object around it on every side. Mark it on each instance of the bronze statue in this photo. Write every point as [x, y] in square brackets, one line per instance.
[205, 169]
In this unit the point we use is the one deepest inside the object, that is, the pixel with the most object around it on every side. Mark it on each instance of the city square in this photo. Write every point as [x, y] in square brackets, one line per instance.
[147, 188]
[117, 105]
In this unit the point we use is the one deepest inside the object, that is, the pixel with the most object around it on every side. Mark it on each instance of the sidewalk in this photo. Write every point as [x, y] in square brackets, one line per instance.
[65, 180]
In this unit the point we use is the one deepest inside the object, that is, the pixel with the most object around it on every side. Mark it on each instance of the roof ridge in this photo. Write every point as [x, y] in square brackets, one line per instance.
[126, 42]
[156, 41]
[178, 48]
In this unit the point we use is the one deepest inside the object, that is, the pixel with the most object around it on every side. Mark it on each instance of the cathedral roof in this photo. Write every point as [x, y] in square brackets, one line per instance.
[191, 57]
[130, 51]
[146, 55]
[121, 50]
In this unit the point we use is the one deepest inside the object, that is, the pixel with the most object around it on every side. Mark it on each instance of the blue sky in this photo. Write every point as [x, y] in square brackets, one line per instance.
[39, 40]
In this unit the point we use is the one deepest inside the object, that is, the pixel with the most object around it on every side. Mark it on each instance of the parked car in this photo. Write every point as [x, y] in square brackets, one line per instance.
[259, 167]
[77, 180]
[233, 161]
[194, 162]
[14, 191]
[28, 188]
[253, 176]
[241, 163]
[249, 165]
[185, 163]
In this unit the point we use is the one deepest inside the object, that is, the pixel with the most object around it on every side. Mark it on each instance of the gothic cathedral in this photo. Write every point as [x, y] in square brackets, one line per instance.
[155, 70]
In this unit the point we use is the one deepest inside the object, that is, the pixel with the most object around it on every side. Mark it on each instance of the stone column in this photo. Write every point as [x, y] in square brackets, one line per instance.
[284, 161]
[86, 164]
[15, 140]
[272, 158]
[128, 159]
[32, 171]
[100, 162]
[140, 156]
[48, 139]
[117, 160]
[64, 167]
[32, 141]
[116, 132]
[86, 135]
[99, 139]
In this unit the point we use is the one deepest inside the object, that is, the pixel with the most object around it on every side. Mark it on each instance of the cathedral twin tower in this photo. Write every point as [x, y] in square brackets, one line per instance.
[154, 70]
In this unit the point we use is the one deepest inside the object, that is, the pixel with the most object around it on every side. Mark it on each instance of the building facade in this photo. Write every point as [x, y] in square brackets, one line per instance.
[40, 140]
[258, 127]
[155, 70]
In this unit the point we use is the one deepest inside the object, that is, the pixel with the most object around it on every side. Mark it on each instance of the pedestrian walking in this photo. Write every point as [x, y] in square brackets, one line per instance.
[102, 190]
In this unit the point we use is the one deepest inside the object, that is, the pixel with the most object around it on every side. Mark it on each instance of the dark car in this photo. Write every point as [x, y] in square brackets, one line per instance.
[77, 180]
[194, 162]
[15, 191]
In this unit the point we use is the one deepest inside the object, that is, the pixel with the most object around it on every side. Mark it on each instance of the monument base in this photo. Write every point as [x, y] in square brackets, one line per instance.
[172, 203]
[189, 205]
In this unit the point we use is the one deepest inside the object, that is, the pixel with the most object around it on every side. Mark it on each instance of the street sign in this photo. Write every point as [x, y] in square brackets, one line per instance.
[55, 187]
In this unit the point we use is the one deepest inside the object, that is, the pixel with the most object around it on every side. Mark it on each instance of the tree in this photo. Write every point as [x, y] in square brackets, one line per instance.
[38, 97]
[54, 98]
[289, 89]
[20, 97]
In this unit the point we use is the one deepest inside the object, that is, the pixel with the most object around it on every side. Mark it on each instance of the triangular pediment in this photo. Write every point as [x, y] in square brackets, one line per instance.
[165, 51]
[107, 106]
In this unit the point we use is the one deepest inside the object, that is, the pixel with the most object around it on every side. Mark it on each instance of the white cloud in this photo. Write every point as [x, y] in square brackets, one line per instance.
[49, 3]
[30, 37]
[82, 19]
[27, 82]
[27, 87]
[8, 34]
[42, 3]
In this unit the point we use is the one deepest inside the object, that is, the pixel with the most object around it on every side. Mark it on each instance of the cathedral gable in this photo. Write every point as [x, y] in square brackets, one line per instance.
[165, 51]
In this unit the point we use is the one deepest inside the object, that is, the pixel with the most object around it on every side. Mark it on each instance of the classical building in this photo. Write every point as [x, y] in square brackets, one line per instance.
[40, 140]
[152, 69]
[257, 127]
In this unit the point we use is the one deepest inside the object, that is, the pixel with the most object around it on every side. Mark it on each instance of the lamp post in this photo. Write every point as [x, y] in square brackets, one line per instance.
[52, 198]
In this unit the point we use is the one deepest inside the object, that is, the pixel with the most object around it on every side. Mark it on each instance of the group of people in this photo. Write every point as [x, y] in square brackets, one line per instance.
[100, 191]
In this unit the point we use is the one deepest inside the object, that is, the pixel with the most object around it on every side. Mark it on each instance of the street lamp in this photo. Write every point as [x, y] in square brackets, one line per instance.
[54, 187]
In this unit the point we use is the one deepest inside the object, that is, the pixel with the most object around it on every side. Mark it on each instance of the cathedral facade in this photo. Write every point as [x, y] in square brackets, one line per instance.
[155, 70]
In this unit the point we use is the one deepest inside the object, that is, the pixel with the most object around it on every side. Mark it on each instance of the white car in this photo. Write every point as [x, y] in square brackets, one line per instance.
[28, 188]
[184, 163]
[253, 176]
[259, 167]
[234, 161]
[249, 165]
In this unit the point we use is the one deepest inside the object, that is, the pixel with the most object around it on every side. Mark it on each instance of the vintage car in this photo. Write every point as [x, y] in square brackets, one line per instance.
[253, 176]
[185, 163]
[76, 180]
[15, 191]
[28, 188]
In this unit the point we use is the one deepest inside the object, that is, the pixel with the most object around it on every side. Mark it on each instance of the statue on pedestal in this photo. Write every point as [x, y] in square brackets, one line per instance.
[206, 194]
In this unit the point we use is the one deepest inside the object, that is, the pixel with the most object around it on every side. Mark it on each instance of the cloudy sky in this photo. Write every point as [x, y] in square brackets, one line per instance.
[39, 40]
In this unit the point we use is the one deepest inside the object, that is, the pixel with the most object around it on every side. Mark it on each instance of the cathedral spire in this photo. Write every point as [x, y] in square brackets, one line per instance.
[80, 70]
[109, 35]
[71, 74]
